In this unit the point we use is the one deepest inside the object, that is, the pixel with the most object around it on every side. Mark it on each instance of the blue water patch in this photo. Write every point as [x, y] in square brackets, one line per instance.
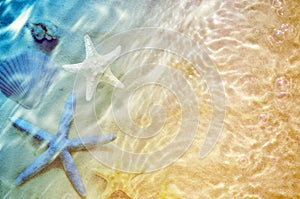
[74, 20]
[12, 19]
[10, 10]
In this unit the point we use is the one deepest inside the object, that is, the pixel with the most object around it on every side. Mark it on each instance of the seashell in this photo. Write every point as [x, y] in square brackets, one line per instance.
[42, 31]
[45, 34]
[25, 78]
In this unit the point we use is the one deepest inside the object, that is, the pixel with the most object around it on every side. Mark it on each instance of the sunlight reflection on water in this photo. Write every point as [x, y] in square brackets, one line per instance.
[255, 46]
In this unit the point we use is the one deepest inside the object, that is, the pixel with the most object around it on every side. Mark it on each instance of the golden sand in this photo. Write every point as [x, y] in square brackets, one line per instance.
[255, 45]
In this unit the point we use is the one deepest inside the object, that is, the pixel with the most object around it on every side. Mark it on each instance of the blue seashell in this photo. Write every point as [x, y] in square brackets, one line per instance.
[25, 78]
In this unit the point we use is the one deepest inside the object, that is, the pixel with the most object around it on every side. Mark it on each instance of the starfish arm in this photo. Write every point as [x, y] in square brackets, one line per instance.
[73, 67]
[67, 117]
[72, 172]
[79, 143]
[110, 78]
[89, 46]
[38, 164]
[91, 86]
[36, 132]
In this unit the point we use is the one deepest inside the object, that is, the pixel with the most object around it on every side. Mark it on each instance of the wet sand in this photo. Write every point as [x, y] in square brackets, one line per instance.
[254, 46]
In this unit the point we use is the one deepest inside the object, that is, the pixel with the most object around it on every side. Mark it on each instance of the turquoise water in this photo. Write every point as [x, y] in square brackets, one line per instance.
[255, 48]
[73, 19]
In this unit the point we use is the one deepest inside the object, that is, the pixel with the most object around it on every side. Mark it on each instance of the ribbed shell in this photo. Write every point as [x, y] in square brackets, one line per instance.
[27, 77]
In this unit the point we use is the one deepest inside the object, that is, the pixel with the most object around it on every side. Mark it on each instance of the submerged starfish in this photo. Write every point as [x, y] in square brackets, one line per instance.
[59, 145]
[94, 68]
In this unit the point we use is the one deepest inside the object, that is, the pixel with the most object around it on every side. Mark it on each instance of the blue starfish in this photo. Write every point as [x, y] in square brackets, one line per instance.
[58, 146]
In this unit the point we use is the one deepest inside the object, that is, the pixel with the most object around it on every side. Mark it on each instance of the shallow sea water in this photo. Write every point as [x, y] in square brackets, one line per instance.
[255, 48]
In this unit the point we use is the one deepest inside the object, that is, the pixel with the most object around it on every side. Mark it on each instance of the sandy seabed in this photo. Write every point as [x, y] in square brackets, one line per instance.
[255, 47]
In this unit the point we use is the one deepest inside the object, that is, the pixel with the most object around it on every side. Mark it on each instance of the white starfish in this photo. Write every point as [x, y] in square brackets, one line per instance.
[94, 68]
[58, 146]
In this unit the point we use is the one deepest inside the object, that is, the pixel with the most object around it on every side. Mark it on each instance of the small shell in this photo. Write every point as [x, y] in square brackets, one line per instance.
[27, 77]
[43, 31]
[45, 34]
